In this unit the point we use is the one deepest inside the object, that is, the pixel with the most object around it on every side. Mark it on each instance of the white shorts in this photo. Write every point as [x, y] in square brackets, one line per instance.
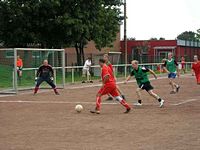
[86, 72]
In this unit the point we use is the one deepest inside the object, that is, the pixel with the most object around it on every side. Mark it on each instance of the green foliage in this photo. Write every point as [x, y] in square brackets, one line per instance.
[189, 36]
[58, 23]
[198, 34]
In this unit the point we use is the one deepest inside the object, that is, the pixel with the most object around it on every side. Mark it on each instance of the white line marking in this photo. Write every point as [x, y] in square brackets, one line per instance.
[92, 103]
[55, 102]
[186, 101]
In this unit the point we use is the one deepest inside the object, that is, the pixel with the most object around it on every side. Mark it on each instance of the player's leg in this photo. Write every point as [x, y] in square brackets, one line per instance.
[154, 95]
[139, 97]
[100, 93]
[38, 82]
[51, 83]
[175, 87]
[117, 96]
[198, 79]
[120, 92]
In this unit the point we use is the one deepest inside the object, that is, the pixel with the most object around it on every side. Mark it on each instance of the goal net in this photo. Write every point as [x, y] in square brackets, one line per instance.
[14, 78]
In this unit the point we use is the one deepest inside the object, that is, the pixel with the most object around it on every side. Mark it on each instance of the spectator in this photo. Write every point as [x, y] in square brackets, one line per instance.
[86, 71]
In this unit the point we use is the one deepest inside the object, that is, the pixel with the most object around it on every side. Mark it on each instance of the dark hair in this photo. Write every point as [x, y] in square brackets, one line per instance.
[101, 60]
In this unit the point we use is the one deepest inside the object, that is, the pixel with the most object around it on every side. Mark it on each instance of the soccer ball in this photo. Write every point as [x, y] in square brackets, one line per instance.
[78, 108]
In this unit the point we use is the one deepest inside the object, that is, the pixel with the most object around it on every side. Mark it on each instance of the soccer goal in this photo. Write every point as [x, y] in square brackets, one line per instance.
[18, 67]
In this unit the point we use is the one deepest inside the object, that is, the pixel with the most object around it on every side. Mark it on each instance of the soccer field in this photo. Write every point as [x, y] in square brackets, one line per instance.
[49, 122]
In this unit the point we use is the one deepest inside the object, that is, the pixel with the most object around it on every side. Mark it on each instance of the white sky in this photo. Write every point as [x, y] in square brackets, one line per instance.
[161, 18]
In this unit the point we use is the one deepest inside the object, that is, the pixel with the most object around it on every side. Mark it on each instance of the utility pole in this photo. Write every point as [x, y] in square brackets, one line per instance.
[125, 39]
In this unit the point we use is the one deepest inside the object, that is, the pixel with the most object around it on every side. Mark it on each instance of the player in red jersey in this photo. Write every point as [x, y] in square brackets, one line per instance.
[108, 87]
[108, 63]
[196, 68]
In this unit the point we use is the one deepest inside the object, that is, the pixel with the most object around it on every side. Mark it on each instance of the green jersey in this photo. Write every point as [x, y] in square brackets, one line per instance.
[171, 65]
[140, 75]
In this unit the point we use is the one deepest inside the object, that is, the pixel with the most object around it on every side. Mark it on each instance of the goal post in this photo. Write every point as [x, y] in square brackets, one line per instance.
[32, 58]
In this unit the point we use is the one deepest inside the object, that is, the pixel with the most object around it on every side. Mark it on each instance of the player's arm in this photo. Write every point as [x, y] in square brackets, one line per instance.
[129, 77]
[178, 71]
[192, 71]
[165, 67]
[153, 73]
[38, 73]
[51, 71]
[106, 78]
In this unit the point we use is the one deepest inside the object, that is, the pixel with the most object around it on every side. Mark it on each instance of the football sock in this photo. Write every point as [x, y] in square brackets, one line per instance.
[98, 102]
[123, 102]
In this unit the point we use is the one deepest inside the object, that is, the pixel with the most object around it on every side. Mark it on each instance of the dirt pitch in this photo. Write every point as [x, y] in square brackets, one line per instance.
[49, 122]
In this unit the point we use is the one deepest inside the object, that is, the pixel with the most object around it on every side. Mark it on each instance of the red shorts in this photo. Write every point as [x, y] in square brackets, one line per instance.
[198, 78]
[109, 89]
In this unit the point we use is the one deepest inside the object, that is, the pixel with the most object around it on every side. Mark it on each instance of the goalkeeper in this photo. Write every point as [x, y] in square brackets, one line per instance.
[45, 73]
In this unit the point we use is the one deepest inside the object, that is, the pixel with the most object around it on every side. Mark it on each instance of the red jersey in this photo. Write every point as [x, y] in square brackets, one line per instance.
[196, 68]
[107, 71]
[19, 63]
[111, 69]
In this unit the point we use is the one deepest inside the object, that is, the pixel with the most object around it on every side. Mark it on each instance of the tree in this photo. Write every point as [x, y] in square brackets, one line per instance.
[161, 38]
[198, 34]
[59, 23]
[153, 39]
[188, 35]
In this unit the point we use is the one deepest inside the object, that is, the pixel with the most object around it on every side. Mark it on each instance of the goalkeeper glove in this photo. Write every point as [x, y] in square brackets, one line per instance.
[51, 78]
[36, 78]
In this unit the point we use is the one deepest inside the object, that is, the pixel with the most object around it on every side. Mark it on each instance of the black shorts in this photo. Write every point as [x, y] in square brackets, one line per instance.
[146, 86]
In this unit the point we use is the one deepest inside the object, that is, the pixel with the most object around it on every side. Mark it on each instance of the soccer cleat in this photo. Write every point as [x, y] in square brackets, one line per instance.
[83, 82]
[91, 81]
[137, 104]
[162, 103]
[95, 111]
[172, 92]
[177, 88]
[109, 98]
[127, 110]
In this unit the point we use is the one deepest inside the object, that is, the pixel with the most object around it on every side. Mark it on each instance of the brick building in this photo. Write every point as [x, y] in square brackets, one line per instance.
[156, 50]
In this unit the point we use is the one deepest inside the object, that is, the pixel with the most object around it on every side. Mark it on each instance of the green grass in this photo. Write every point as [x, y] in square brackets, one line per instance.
[6, 73]
[6, 79]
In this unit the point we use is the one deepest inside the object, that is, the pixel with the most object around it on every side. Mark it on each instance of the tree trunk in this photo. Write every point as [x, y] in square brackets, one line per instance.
[78, 56]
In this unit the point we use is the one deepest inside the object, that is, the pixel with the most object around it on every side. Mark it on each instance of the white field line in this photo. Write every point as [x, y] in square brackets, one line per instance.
[104, 103]
[55, 102]
[186, 101]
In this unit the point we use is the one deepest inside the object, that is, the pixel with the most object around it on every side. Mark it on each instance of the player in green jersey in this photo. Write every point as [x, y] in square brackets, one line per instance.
[143, 82]
[171, 67]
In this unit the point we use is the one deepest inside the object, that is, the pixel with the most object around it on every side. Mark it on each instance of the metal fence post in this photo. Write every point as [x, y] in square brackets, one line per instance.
[55, 76]
[72, 75]
[15, 71]
[125, 70]
[63, 68]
